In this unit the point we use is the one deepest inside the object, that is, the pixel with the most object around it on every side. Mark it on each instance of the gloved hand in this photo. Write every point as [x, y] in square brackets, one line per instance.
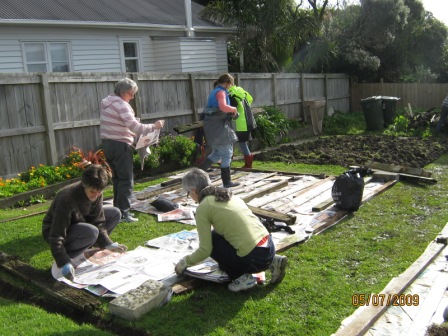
[181, 266]
[68, 271]
[115, 247]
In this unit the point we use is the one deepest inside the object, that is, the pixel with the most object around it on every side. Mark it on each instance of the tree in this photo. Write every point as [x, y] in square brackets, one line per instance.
[266, 31]
[393, 40]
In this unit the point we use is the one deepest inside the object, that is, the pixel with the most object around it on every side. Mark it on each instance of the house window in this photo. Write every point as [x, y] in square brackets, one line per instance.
[131, 56]
[46, 56]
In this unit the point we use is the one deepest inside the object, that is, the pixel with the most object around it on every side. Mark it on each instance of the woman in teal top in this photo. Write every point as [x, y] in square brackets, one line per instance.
[218, 128]
[231, 234]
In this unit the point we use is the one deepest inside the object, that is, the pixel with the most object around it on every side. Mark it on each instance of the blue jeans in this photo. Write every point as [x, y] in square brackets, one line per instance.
[223, 152]
[244, 147]
[258, 260]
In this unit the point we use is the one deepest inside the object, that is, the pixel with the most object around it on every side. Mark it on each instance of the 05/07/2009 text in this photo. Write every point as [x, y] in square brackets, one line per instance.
[385, 300]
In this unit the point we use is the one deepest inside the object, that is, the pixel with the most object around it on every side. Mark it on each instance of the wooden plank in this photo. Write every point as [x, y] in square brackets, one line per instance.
[398, 169]
[48, 119]
[361, 323]
[279, 172]
[417, 178]
[265, 190]
[331, 220]
[294, 189]
[288, 219]
[153, 193]
[81, 300]
[307, 195]
[442, 237]
[322, 205]
[190, 127]
[429, 306]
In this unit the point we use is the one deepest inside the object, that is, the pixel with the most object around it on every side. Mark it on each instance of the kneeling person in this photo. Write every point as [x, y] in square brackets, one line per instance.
[77, 219]
[231, 234]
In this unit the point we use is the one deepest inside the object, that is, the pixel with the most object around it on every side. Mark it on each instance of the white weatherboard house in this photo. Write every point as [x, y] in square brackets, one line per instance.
[109, 36]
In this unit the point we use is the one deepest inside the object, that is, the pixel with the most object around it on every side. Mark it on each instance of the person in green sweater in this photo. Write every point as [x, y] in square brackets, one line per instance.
[245, 123]
[231, 234]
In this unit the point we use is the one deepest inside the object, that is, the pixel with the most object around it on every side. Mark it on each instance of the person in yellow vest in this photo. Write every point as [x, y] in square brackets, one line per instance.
[245, 123]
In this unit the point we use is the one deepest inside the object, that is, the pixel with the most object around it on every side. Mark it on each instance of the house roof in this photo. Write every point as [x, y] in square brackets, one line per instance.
[101, 12]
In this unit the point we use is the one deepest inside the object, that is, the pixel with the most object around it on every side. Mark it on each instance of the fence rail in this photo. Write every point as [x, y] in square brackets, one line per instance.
[42, 116]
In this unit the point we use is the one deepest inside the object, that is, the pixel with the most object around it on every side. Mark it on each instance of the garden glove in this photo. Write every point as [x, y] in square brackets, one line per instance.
[68, 271]
[181, 266]
[115, 247]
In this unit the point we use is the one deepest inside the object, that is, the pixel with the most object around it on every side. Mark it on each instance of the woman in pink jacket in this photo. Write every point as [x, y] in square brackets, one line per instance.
[118, 128]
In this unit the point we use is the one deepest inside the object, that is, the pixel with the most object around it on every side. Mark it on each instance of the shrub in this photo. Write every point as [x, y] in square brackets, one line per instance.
[270, 125]
[344, 123]
[170, 148]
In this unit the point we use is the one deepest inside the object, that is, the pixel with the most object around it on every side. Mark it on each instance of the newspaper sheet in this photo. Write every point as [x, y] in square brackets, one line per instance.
[207, 270]
[148, 139]
[176, 215]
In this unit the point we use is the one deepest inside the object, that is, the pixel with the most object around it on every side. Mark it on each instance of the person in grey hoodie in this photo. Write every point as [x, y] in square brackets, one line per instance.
[118, 128]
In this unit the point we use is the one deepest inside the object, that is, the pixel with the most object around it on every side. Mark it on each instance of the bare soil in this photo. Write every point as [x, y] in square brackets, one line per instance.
[359, 149]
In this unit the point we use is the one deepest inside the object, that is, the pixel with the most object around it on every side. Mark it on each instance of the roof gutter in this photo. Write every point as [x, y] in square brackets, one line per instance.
[108, 25]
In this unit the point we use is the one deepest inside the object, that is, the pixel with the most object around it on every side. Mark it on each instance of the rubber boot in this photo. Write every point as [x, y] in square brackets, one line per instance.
[225, 177]
[205, 165]
[248, 159]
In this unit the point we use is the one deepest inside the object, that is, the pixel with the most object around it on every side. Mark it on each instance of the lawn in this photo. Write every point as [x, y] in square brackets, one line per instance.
[359, 255]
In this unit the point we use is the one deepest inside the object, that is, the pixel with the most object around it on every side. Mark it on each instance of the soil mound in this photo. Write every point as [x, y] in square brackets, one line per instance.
[359, 149]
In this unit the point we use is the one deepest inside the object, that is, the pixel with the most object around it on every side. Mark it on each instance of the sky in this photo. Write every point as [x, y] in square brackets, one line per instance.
[439, 8]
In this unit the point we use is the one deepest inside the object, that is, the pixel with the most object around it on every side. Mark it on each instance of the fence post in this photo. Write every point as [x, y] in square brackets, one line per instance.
[135, 103]
[326, 92]
[274, 89]
[193, 97]
[48, 118]
[302, 98]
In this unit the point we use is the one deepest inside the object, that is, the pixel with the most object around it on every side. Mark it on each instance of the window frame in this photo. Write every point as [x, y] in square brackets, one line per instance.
[124, 58]
[47, 51]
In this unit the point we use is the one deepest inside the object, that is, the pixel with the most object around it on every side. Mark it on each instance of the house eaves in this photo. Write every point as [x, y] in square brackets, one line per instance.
[111, 25]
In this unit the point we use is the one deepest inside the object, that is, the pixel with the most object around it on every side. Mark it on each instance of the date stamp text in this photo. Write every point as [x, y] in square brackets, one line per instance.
[399, 300]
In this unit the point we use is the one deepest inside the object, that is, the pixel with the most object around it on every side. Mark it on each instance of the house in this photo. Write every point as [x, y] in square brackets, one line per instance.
[109, 36]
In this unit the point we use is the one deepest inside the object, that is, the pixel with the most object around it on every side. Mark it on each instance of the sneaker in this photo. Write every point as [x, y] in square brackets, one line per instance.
[278, 268]
[128, 218]
[244, 282]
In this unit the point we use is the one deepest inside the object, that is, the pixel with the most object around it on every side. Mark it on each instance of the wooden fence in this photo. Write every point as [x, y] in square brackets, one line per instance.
[418, 95]
[44, 115]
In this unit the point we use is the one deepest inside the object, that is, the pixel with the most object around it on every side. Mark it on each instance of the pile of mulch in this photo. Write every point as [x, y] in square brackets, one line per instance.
[359, 149]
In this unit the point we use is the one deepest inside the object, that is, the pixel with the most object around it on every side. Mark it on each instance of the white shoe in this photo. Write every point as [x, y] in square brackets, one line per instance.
[128, 218]
[244, 282]
[278, 268]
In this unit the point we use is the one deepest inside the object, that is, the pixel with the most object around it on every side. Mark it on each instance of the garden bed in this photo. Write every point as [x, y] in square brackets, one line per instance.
[46, 192]
[359, 149]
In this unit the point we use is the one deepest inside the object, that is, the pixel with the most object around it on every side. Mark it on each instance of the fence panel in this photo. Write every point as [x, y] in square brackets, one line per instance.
[417, 95]
[42, 116]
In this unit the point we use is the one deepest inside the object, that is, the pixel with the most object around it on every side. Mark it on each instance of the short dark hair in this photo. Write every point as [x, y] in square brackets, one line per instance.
[225, 78]
[95, 176]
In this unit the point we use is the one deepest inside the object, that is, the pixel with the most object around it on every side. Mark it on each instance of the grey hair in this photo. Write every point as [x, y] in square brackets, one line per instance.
[125, 85]
[195, 179]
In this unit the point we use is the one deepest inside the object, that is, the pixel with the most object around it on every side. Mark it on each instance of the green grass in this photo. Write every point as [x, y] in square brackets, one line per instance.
[23, 319]
[361, 254]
